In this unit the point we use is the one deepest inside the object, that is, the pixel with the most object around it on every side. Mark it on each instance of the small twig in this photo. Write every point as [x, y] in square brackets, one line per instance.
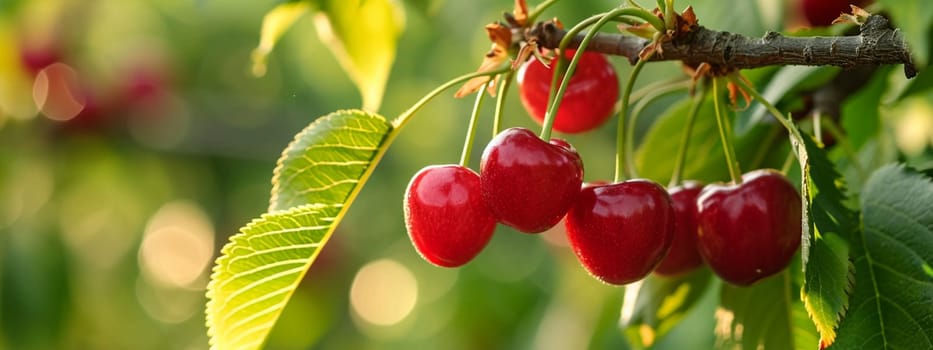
[877, 43]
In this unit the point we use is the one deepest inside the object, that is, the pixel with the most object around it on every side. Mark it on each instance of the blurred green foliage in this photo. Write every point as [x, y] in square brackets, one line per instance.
[110, 221]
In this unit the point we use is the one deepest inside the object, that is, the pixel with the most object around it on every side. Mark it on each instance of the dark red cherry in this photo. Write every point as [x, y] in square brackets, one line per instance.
[750, 231]
[620, 232]
[823, 12]
[527, 183]
[683, 256]
[590, 97]
[447, 221]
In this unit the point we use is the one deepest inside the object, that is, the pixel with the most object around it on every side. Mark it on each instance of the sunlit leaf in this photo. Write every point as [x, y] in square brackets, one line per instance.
[661, 303]
[274, 25]
[892, 305]
[363, 34]
[327, 160]
[315, 182]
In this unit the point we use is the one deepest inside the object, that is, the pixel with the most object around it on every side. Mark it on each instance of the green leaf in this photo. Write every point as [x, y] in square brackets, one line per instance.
[363, 35]
[828, 282]
[825, 251]
[892, 304]
[258, 271]
[705, 159]
[326, 161]
[757, 317]
[315, 182]
[274, 24]
[661, 303]
[914, 18]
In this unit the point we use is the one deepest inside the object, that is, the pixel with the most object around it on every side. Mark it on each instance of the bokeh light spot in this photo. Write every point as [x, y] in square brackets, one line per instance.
[57, 92]
[178, 245]
[384, 292]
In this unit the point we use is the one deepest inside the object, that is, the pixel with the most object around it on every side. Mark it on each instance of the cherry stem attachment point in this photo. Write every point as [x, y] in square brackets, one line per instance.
[471, 130]
[734, 172]
[685, 137]
[597, 22]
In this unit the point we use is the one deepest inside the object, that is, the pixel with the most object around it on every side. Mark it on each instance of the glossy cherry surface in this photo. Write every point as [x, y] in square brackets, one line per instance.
[590, 97]
[683, 255]
[620, 232]
[750, 231]
[527, 183]
[447, 221]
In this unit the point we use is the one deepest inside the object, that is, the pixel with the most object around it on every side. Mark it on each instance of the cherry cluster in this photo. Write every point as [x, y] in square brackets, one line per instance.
[620, 232]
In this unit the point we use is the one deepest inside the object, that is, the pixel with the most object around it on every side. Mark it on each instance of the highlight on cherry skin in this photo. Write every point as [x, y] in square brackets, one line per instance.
[527, 183]
[590, 97]
[749, 231]
[445, 216]
[620, 232]
[683, 256]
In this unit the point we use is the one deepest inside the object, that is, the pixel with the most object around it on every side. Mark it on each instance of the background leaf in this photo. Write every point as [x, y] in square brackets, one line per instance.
[316, 180]
[274, 24]
[705, 158]
[756, 317]
[662, 302]
[892, 305]
[785, 82]
[363, 34]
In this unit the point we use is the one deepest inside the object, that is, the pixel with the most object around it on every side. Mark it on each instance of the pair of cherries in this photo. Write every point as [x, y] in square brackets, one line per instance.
[620, 232]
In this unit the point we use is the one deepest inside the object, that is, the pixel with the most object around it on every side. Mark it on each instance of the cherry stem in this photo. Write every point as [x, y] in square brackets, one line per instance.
[405, 117]
[796, 138]
[471, 131]
[685, 137]
[500, 102]
[540, 9]
[670, 14]
[652, 89]
[724, 135]
[597, 22]
[817, 129]
[624, 138]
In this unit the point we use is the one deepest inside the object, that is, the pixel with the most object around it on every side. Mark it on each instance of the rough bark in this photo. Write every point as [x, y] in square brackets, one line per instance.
[877, 43]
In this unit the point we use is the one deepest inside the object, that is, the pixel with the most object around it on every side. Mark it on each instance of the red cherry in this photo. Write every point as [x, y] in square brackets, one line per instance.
[750, 231]
[683, 256]
[447, 221]
[34, 57]
[527, 183]
[620, 232]
[590, 97]
[823, 12]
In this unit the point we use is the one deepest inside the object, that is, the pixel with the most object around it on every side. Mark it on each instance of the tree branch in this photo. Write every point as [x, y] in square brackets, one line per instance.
[877, 43]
